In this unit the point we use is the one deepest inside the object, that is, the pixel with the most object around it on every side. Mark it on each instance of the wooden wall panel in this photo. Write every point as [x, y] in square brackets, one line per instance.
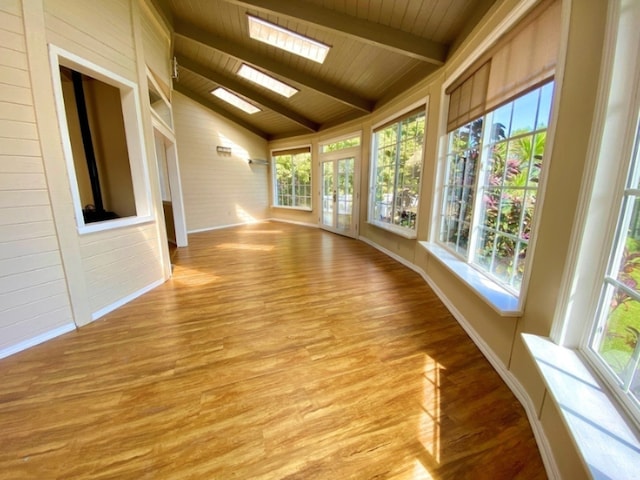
[33, 292]
[119, 263]
[101, 32]
[218, 190]
[156, 40]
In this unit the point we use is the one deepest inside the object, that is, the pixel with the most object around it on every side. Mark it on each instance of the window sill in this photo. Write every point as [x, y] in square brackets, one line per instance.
[604, 438]
[302, 209]
[505, 303]
[113, 224]
[401, 231]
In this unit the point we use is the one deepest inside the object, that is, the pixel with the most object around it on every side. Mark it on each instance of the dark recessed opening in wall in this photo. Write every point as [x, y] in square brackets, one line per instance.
[99, 146]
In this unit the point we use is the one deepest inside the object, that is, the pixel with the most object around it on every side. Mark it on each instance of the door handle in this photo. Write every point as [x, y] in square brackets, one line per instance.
[335, 196]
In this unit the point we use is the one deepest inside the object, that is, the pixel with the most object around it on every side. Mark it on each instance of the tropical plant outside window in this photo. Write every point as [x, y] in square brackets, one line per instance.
[616, 335]
[396, 171]
[292, 178]
[491, 184]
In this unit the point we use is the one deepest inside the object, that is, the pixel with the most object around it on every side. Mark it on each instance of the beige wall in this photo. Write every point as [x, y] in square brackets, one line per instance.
[34, 299]
[219, 190]
[51, 277]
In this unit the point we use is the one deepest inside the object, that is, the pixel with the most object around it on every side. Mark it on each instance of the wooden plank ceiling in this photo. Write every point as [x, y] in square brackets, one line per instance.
[379, 48]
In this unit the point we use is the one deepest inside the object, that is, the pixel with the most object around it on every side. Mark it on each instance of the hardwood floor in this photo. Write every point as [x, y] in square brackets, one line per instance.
[275, 352]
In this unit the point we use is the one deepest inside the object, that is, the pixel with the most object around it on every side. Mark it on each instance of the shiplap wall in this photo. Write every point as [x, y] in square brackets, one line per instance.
[156, 41]
[117, 263]
[219, 190]
[33, 293]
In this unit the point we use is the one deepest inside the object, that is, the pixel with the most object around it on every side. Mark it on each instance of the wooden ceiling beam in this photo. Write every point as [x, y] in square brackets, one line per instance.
[373, 33]
[247, 92]
[191, 32]
[220, 111]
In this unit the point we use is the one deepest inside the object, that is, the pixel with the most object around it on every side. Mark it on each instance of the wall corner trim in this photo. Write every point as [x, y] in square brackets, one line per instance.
[514, 385]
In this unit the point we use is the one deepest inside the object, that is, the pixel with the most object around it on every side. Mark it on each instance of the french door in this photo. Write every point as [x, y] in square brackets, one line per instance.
[339, 195]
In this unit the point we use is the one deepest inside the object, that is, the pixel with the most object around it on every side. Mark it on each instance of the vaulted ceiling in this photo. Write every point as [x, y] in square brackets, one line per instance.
[379, 48]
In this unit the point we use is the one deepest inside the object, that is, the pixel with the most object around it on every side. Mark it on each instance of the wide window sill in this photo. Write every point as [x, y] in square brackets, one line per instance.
[302, 209]
[604, 438]
[505, 303]
[401, 231]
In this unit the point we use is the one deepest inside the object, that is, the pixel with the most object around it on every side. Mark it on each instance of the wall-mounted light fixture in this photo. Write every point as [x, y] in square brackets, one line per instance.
[223, 150]
[258, 161]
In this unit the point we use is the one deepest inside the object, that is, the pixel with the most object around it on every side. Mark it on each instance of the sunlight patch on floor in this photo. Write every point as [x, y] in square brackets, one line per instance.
[245, 246]
[429, 432]
[193, 278]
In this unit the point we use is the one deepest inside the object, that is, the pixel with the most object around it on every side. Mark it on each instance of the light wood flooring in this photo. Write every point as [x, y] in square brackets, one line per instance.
[275, 352]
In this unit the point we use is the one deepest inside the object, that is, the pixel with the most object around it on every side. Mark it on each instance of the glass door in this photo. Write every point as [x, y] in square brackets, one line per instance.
[338, 195]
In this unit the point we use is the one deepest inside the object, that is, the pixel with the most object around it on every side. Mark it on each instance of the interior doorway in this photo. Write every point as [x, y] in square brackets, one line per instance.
[170, 185]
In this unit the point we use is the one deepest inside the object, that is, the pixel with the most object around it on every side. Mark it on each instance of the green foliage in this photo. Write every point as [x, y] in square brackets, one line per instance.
[399, 150]
[624, 312]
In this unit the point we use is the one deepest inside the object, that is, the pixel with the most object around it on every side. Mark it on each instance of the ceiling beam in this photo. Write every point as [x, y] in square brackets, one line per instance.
[245, 91]
[186, 30]
[373, 33]
[221, 111]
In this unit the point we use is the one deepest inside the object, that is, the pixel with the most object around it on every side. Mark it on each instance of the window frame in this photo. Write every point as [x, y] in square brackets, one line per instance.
[406, 232]
[134, 132]
[497, 294]
[274, 178]
[614, 135]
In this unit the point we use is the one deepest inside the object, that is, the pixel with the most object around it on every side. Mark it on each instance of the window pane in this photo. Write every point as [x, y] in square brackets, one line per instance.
[398, 168]
[293, 180]
[501, 122]
[544, 111]
[524, 113]
[618, 337]
[460, 186]
[510, 178]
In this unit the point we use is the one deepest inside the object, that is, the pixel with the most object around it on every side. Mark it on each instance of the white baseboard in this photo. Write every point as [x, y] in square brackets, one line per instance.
[509, 379]
[110, 308]
[304, 224]
[220, 227]
[32, 342]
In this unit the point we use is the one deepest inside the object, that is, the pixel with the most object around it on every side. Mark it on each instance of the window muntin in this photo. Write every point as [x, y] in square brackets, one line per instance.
[396, 171]
[615, 338]
[491, 183]
[292, 178]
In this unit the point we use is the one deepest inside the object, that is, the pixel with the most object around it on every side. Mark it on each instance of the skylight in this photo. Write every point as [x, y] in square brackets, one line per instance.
[235, 100]
[286, 39]
[266, 81]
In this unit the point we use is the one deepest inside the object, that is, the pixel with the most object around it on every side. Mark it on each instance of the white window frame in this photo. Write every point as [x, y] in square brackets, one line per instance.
[604, 182]
[596, 413]
[405, 232]
[274, 178]
[502, 300]
[132, 116]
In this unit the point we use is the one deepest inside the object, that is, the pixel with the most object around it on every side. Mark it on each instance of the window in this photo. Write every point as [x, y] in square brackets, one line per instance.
[292, 178]
[99, 117]
[341, 144]
[396, 169]
[491, 184]
[615, 338]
